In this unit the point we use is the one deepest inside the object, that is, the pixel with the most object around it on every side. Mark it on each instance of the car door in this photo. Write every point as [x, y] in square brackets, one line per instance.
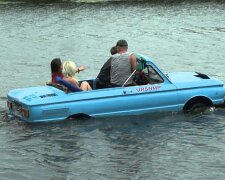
[158, 94]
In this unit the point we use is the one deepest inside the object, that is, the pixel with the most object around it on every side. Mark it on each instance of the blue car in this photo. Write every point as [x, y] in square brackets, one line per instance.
[154, 92]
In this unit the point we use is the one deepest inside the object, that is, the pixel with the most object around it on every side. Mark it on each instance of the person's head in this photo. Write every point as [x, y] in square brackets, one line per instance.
[56, 65]
[122, 45]
[69, 69]
[113, 50]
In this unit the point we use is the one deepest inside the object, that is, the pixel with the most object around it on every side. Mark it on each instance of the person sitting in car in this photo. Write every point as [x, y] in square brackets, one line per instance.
[104, 74]
[123, 64]
[69, 71]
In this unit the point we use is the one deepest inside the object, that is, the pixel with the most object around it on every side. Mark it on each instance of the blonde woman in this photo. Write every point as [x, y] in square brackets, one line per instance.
[69, 71]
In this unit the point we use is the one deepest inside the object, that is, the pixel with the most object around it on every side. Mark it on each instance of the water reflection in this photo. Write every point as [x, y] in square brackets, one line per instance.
[134, 146]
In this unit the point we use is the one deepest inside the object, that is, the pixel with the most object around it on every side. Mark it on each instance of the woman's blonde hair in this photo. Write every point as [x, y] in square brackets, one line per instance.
[69, 69]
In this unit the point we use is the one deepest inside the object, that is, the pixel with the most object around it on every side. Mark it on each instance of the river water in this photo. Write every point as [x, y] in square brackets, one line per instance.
[179, 36]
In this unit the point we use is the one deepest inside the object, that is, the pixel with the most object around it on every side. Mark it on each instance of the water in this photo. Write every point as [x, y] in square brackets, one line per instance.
[179, 36]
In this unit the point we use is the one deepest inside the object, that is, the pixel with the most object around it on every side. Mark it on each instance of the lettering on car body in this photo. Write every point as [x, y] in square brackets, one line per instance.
[30, 97]
[148, 88]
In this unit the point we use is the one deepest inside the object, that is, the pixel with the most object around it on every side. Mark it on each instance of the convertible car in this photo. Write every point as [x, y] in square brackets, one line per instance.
[153, 91]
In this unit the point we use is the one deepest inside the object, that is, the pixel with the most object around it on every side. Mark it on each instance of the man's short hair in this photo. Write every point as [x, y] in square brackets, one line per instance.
[121, 43]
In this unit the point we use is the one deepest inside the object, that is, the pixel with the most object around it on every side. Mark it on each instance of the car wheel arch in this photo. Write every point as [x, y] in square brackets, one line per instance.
[197, 99]
[79, 116]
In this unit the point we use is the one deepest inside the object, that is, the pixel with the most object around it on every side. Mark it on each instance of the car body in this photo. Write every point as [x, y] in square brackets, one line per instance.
[177, 91]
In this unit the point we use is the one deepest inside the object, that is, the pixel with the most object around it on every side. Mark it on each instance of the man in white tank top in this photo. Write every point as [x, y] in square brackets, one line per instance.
[123, 64]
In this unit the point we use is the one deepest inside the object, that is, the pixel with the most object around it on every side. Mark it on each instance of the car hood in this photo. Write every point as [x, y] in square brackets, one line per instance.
[192, 79]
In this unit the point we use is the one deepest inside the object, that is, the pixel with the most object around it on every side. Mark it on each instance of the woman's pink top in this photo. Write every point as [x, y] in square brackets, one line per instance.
[54, 75]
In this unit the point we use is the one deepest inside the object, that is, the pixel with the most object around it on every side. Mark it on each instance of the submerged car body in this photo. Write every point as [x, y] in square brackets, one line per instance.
[178, 91]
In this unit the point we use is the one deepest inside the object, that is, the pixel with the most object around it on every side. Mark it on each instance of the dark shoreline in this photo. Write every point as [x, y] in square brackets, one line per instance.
[112, 1]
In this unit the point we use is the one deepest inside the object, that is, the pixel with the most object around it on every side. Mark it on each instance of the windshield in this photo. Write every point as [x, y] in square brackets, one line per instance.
[148, 76]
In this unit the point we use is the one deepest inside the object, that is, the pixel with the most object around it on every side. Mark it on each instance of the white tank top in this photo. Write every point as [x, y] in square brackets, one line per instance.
[120, 69]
